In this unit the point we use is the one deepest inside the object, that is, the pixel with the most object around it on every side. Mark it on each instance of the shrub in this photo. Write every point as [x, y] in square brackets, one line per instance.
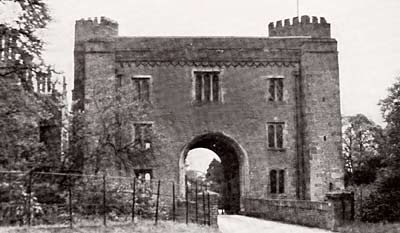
[382, 206]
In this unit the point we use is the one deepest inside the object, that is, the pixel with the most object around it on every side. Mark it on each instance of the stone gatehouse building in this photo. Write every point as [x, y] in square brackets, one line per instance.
[268, 106]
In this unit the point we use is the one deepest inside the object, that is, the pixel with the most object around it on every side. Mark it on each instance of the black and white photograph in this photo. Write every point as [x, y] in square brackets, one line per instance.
[199, 116]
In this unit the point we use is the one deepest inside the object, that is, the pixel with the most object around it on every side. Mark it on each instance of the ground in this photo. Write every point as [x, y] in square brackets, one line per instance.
[140, 227]
[242, 224]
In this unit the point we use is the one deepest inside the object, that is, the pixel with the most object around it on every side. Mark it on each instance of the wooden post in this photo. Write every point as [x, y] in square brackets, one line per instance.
[158, 200]
[29, 197]
[9, 174]
[133, 199]
[352, 205]
[204, 207]
[70, 202]
[173, 201]
[361, 202]
[104, 201]
[343, 208]
[197, 209]
[208, 207]
[187, 200]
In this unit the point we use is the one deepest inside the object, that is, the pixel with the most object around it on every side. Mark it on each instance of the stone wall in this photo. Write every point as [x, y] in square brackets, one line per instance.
[330, 214]
[306, 59]
[314, 214]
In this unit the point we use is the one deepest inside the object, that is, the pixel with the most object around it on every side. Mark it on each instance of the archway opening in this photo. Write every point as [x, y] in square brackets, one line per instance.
[214, 158]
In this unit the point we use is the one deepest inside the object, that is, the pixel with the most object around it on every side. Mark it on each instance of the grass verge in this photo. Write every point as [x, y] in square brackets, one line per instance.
[141, 227]
[362, 227]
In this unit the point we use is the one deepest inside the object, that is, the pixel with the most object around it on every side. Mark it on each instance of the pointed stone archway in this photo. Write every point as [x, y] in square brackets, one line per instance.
[235, 164]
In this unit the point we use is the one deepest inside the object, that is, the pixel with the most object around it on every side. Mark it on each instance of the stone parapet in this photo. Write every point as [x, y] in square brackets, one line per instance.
[305, 26]
[327, 214]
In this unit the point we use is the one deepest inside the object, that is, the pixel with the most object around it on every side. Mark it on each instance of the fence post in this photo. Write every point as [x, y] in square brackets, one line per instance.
[197, 209]
[133, 199]
[104, 201]
[204, 207]
[70, 202]
[343, 208]
[361, 202]
[10, 186]
[173, 201]
[352, 205]
[208, 207]
[187, 200]
[29, 197]
[158, 200]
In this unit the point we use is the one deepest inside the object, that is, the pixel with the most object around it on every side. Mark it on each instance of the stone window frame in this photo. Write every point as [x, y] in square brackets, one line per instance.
[284, 187]
[143, 144]
[150, 91]
[275, 123]
[220, 72]
[270, 79]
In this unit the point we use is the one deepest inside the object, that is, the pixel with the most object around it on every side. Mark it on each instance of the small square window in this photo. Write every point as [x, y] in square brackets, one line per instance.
[144, 174]
[143, 132]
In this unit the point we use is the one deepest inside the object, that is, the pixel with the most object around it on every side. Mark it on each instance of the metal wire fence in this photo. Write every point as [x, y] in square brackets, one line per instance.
[43, 198]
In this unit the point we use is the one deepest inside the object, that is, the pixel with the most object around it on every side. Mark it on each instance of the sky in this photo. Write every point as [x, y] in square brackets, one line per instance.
[367, 32]
[199, 159]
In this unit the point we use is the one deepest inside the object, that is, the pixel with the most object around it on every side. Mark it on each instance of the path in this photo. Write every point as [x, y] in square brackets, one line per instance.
[243, 224]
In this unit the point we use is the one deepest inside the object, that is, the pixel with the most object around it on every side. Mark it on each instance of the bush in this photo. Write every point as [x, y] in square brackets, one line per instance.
[382, 206]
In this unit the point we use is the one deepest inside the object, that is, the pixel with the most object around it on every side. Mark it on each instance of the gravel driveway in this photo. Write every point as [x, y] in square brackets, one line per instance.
[243, 224]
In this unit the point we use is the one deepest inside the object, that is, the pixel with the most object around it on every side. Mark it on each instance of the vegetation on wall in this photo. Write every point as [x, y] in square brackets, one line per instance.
[22, 108]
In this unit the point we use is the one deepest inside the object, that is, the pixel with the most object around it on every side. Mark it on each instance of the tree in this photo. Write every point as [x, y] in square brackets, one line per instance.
[19, 35]
[390, 107]
[22, 108]
[361, 139]
[215, 176]
[105, 139]
[384, 202]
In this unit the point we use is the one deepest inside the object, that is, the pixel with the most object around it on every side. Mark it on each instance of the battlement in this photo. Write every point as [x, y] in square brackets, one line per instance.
[96, 21]
[305, 26]
[96, 28]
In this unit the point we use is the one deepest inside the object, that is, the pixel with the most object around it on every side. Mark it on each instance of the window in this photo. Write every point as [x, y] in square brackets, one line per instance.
[142, 88]
[275, 135]
[143, 135]
[277, 181]
[275, 89]
[207, 87]
[144, 174]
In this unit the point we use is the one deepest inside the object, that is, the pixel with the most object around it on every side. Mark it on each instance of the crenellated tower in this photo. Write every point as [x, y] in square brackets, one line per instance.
[94, 64]
[306, 27]
[320, 162]
[94, 40]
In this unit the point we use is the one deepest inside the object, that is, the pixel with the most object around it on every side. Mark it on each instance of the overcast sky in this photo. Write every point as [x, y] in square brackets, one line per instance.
[367, 31]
